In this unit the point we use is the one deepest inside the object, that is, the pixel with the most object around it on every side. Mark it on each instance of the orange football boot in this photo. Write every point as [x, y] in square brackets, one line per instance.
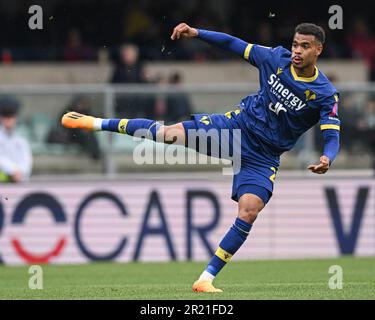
[75, 120]
[205, 286]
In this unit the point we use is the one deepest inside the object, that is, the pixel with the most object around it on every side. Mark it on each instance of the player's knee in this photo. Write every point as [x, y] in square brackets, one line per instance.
[249, 208]
[172, 134]
[248, 213]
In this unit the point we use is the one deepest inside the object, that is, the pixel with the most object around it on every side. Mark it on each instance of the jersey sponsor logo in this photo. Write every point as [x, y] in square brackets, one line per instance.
[276, 107]
[286, 97]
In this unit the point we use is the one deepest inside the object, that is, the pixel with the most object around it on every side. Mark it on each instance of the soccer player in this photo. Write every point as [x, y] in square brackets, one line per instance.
[294, 96]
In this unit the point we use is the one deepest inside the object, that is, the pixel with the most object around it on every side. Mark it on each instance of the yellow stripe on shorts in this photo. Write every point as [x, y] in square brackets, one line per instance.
[223, 255]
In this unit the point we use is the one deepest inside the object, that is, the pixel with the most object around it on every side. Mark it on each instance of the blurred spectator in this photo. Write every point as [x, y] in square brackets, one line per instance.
[75, 50]
[85, 139]
[366, 127]
[6, 56]
[137, 22]
[149, 23]
[160, 103]
[362, 42]
[15, 157]
[350, 116]
[172, 107]
[130, 70]
[179, 105]
[265, 35]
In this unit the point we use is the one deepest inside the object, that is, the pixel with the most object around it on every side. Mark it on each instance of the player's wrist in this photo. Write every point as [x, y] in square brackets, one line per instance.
[325, 158]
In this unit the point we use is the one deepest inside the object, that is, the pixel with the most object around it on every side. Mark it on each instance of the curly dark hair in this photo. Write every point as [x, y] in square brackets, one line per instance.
[311, 29]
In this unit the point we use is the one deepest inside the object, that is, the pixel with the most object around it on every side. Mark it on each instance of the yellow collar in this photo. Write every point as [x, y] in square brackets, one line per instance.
[297, 78]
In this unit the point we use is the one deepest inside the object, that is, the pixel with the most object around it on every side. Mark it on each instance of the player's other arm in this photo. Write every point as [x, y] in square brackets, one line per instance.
[331, 139]
[219, 39]
[330, 126]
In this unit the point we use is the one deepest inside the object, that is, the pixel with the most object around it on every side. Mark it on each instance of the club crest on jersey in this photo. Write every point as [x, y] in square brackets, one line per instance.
[310, 95]
[285, 96]
[205, 119]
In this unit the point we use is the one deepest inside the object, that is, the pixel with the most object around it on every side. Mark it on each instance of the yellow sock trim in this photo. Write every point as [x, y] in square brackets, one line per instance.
[223, 255]
[122, 125]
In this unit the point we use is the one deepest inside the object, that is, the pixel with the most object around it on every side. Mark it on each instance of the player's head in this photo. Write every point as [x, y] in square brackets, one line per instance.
[129, 54]
[307, 44]
[9, 108]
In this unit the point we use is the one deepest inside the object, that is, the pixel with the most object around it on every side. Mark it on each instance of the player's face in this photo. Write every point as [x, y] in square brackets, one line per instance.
[8, 122]
[305, 50]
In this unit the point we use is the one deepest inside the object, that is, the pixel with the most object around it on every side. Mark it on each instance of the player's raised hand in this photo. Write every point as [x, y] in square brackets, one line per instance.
[183, 31]
[320, 168]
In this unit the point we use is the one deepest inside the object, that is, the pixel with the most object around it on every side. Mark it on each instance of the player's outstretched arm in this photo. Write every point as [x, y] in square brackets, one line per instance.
[331, 148]
[219, 39]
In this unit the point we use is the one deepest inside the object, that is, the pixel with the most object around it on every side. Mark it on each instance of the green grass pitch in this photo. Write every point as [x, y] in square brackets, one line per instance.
[277, 279]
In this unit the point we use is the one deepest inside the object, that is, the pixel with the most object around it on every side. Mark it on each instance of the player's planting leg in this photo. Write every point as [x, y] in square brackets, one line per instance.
[249, 206]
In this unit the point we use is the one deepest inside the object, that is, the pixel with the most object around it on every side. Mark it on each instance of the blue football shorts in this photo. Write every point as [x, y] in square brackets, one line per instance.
[258, 167]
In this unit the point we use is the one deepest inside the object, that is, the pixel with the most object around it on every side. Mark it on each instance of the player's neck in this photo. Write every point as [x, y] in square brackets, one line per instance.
[306, 72]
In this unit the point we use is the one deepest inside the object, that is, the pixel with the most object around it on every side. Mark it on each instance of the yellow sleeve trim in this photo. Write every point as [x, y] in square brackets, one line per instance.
[122, 126]
[330, 126]
[246, 54]
[223, 255]
[229, 113]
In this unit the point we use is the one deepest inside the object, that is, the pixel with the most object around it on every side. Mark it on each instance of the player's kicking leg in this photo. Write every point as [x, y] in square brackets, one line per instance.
[134, 127]
[249, 205]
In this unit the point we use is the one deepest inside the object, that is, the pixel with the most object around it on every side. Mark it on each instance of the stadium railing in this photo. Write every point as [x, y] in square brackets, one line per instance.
[43, 105]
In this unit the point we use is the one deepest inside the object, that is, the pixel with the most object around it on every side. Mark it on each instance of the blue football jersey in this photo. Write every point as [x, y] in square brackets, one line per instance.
[286, 105]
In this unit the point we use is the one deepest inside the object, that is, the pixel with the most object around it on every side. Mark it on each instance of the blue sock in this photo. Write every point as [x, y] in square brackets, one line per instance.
[139, 127]
[232, 241]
